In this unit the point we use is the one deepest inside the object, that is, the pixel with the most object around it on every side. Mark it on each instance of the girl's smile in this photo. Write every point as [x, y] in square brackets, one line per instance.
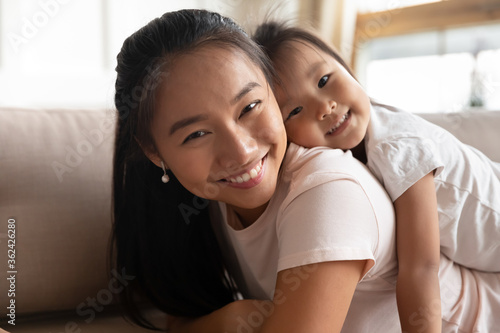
[339, 126]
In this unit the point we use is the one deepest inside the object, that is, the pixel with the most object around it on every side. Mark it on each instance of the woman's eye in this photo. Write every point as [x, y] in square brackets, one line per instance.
[195, 135]
[249, 108]
[294, 112]
[323, 81]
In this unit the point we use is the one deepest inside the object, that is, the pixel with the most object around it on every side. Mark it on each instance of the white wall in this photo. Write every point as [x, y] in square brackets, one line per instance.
[61, 53]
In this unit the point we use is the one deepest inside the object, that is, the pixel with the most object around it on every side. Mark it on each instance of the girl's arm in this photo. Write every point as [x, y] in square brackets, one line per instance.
[417, 237]
[312, 298]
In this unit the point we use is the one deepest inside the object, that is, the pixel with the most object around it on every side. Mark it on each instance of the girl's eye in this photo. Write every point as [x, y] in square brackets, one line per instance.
[323, 81]
[294, 112]
[195, 135]
[249, 108]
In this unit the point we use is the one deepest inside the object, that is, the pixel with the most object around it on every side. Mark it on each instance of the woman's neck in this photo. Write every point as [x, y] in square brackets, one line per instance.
[248, 216]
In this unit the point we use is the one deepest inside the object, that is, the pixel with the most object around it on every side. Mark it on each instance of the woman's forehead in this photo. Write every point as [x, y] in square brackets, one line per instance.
[206, 77]
[212, 61]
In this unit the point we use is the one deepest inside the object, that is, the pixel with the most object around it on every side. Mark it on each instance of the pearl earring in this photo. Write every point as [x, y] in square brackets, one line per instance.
[165, 178]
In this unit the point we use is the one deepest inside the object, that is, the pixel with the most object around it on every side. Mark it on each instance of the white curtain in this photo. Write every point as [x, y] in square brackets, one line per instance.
[335, 20]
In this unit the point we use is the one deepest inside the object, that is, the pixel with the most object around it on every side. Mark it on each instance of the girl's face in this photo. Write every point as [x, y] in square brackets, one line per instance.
[218, 128]
[321, 103]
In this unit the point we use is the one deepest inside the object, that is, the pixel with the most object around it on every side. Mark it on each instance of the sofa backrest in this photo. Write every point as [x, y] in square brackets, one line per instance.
[478, 128]
[55, 183]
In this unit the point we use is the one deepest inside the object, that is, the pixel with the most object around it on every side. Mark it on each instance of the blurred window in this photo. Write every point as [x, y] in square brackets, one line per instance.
[435, 67]
[370, 6]
[62, 53]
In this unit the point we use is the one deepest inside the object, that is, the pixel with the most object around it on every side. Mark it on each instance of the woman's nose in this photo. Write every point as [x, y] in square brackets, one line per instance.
[324, 109]
[236, 148]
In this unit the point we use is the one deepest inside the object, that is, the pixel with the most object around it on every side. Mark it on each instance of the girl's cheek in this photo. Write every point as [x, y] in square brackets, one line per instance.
[292, 130]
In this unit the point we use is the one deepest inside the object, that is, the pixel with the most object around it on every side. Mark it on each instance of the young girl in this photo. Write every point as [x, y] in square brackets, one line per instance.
[446, 194]
[208, 207]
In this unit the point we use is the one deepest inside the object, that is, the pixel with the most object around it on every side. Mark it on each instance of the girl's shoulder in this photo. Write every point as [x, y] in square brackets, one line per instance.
[389, 123]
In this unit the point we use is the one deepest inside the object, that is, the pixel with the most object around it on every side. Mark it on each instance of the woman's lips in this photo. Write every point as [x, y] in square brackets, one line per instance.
[248, 178]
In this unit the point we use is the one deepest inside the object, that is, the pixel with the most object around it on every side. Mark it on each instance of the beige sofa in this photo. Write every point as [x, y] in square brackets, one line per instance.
[55, 183]
[55, 192]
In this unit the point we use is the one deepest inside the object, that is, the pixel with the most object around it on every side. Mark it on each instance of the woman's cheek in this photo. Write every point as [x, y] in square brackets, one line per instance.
[270, 132]
[191, 172]
[273, 128]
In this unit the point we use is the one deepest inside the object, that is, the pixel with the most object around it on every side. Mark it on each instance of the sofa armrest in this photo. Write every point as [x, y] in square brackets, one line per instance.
[55, 184]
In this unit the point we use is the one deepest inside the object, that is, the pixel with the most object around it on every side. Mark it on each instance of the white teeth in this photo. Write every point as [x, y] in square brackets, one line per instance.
[338, 124]
[247, 175]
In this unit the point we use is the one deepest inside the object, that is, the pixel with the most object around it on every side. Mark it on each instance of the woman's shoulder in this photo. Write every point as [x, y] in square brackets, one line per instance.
[317, 160]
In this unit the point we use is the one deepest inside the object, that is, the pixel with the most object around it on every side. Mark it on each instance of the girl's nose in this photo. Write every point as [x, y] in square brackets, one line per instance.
[236, 148]
[325, 109]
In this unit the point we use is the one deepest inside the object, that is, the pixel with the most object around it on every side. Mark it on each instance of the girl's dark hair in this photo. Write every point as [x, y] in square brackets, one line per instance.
[162, 235]
[273, 36]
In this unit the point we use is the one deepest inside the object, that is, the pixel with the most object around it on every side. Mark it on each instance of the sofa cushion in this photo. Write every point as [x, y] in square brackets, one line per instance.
[478, 128]
[55, 183]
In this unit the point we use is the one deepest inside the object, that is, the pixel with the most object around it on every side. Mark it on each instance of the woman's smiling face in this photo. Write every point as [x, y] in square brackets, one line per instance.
[218, 128]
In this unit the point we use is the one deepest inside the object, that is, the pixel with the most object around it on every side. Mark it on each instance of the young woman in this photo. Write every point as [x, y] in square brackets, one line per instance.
[424, 168]
[210, 202]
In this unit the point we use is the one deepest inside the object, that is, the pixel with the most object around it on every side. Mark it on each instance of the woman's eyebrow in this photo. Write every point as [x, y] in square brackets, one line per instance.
[186, 122]
[245, 90]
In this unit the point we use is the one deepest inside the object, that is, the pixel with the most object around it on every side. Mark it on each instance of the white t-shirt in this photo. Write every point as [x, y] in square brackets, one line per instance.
[402, 148]
[329, 207]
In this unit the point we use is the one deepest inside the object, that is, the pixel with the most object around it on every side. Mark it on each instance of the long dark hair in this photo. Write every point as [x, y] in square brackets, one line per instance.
[162, 234]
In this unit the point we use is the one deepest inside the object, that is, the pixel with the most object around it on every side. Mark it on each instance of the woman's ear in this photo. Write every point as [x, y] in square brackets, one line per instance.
[154, 157]
[151, 153]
